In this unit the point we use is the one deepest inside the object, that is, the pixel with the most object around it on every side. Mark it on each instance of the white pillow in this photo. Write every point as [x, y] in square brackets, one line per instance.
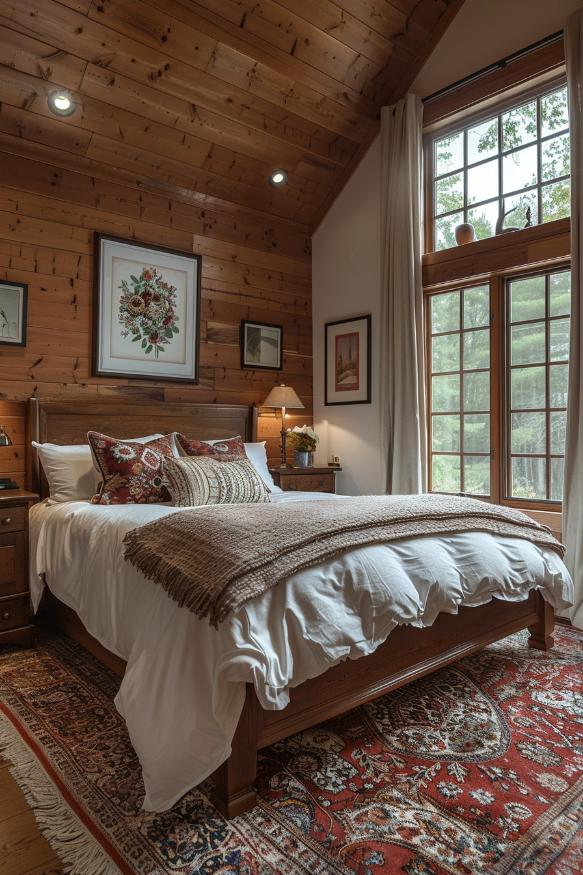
[258, 457]
[70, 471]
[142, 440]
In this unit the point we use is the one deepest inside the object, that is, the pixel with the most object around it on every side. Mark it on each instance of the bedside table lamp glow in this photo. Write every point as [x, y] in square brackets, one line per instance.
[283, 397]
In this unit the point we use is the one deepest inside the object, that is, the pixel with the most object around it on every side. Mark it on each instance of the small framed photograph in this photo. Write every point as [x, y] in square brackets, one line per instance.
[261, 346]
[146, 311]
[347, 361]
[13, 310]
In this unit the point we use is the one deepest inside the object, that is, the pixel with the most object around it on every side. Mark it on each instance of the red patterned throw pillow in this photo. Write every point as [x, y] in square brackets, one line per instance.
[132, 472]
[228, 450]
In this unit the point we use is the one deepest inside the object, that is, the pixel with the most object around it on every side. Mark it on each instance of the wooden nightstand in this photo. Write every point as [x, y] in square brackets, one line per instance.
[305, 479]
[15, 625]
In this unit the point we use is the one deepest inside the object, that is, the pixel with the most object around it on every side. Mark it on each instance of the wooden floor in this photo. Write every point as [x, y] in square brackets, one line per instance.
[23, 850]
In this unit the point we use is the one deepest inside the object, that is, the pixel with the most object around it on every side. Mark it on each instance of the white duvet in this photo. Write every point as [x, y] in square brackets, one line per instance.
[184, 687]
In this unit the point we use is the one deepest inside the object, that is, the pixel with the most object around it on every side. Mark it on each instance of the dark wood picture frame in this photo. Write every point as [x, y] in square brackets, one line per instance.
[367, 360]
[23, 287]
[96, 334]
[255, 366]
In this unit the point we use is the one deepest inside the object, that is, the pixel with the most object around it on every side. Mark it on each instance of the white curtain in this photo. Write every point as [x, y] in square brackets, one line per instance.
[403, 431]
[573, 487]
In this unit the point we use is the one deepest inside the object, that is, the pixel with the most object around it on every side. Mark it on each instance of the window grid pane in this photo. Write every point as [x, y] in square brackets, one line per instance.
[516, 163]
[537, 316]
[460, 397]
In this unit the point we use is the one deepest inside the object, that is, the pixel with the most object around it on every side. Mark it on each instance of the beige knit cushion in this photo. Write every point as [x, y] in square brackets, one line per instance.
[197, 480]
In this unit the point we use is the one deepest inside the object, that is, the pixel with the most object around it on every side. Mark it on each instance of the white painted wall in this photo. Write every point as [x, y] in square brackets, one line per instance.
[346, 246]
[484, 31]
[346, 283]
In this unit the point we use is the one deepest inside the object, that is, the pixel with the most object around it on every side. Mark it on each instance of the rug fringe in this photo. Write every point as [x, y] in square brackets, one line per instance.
[79, 852]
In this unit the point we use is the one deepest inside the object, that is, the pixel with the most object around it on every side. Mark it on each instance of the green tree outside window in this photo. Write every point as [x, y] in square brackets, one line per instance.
[517, 160]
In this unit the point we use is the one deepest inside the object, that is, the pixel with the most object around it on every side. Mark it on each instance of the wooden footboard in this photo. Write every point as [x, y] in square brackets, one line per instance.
[406, 655]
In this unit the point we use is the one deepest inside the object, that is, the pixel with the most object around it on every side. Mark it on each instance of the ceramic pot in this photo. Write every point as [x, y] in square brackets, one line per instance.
[302, 459]
[465, 233]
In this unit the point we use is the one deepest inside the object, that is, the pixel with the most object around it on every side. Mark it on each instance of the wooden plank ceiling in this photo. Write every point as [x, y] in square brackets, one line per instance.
[203, 99]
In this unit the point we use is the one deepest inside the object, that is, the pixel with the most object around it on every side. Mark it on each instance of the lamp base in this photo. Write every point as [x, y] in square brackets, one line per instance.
[283, 461]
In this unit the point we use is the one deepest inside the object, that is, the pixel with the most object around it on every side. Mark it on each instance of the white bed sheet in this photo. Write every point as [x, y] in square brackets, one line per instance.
[183, 690]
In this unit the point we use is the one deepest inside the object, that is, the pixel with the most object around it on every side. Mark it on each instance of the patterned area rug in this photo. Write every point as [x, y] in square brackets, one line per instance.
[477, 768]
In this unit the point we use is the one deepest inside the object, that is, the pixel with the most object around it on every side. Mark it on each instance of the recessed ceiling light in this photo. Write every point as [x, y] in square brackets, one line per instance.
[61, 103]
[278, 178]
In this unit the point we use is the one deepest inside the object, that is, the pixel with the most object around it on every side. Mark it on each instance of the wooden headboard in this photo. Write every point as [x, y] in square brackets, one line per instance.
[67, 422]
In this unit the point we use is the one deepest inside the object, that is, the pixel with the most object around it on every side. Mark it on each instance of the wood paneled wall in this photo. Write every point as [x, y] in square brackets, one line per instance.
[253, 267]
[182, 110]
[13, 459]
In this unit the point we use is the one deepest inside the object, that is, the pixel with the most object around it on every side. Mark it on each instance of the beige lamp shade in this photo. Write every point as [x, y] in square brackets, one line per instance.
[282, 396]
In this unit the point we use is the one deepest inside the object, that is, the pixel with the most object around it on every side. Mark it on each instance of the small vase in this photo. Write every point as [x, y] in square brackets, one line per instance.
[465, 233]
[302, 459]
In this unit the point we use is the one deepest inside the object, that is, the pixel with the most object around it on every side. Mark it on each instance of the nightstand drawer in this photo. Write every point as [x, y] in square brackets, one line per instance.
[12, 564]
[15, 607]
[14, 612]
[12, 519]
[307, 482]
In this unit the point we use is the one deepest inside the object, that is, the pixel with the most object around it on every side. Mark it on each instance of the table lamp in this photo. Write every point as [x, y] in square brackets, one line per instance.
[283, 396]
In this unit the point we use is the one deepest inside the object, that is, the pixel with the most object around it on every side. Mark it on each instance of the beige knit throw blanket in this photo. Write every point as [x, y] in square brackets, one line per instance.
[214, 559]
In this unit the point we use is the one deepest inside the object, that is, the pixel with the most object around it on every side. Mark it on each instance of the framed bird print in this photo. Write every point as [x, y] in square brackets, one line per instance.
[261, 346]
[13, 313]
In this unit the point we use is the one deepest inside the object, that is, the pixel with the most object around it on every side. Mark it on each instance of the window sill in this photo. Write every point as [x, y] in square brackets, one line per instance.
[553, 519]
[529, 246]
[550, 518]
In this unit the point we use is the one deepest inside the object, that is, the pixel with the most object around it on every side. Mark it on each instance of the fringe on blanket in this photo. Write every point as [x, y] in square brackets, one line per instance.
[78, 851]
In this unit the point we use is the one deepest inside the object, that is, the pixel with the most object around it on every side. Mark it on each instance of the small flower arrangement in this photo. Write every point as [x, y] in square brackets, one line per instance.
[147, 311]
[303, 439]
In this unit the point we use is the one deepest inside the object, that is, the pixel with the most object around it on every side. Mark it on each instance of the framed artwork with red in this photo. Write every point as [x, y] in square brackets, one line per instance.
[347, 361]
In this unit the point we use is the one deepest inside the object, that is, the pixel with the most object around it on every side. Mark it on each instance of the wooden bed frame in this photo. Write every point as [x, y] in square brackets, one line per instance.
[408, 653]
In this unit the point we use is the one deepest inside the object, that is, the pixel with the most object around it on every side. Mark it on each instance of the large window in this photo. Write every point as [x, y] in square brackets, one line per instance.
[460, 390]
[498, 360]
[538, 348]
[514, 162]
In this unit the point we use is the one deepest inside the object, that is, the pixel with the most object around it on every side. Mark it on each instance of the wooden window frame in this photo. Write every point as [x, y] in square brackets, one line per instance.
[506, 329]
[534, 92]
[509, 83]
[494, 259]
[499, 378]
[461, 331]
[510, 77]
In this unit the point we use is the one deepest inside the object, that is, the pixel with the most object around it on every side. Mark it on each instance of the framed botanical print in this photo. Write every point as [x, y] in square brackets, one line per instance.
[146, 312]
[261, 346]
[347, 361]
[13, 313]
